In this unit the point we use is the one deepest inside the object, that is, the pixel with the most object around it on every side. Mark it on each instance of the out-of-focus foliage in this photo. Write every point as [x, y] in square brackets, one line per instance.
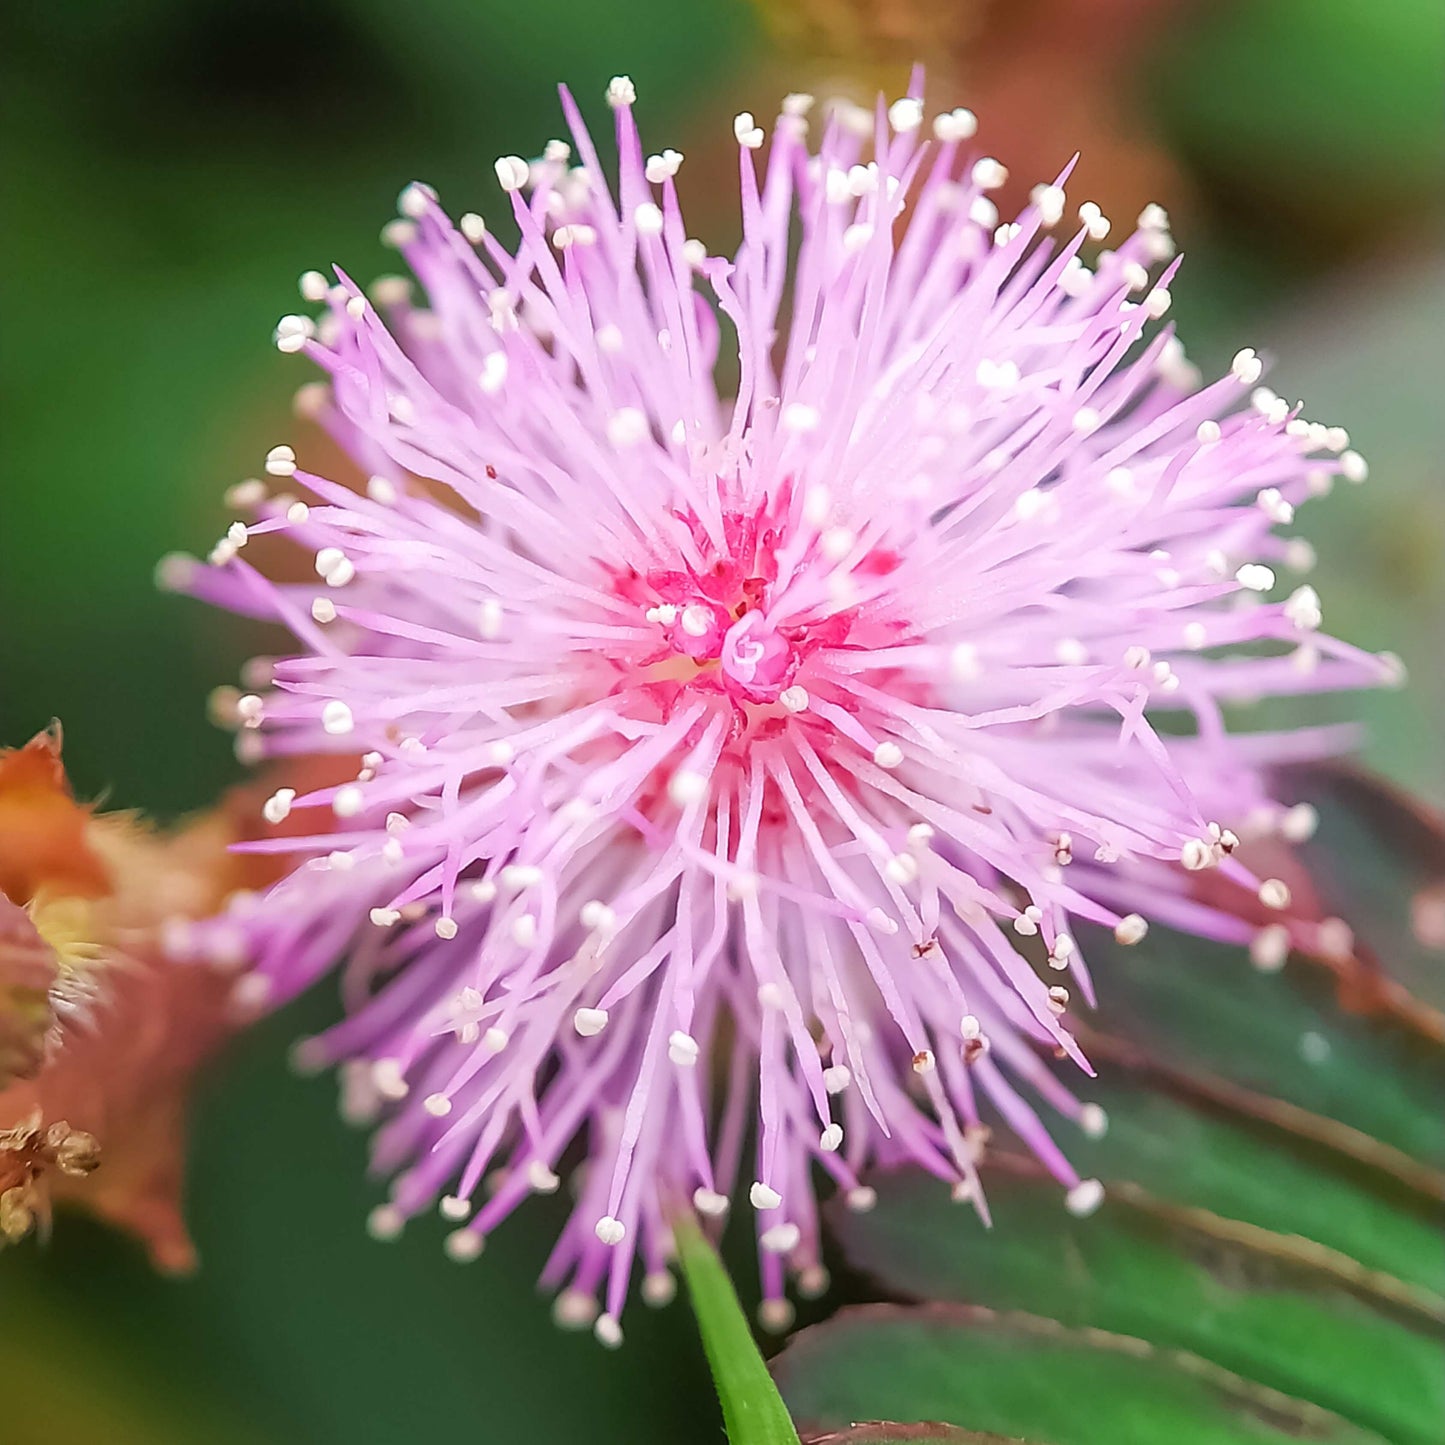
[171, 165]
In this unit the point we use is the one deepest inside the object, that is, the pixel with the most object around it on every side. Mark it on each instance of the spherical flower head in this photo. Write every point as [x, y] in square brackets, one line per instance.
[718, 747]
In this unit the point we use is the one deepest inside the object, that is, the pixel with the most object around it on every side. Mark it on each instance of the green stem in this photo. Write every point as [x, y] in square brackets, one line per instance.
[753, 1411]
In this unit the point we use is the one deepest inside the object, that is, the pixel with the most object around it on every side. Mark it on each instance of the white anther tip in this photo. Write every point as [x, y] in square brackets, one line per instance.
[764, 1196]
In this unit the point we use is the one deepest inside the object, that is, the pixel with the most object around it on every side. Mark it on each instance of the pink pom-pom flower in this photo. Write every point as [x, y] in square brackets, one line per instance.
[726, 748]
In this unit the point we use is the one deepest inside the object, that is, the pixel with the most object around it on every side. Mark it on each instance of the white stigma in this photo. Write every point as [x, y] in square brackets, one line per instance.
[494, 373]
[781, 1238]
[709, 1202]
[1303, 609]
[589, 1022]
[277, 807]
[905, 115]
[336, 719]
[682, 1049]
[880, 922]
[1246, 368]
[334, 567]
[385, 1222]
[1299, 823]
[626, 427]
[512, 172]
[901, 868]
[988, 174]
[1269, 948]
[348, 802]
[293, 332]
[955, 125]
[1130, 929]
[659, 1288]
[764, 1196]
[662, 167]
[463, 1245]
[389, 1079]
[541, 1179]
[574, 1309]
[1274, 893]
[799, 417]
[280, 462]
[1272, 503]
[1050, 203]
[1255, 577]
[597, 916]
[749, 135]
[518, 876]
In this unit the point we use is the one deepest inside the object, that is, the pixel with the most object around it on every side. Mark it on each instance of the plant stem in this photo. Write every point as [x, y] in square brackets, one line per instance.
[753, 1411]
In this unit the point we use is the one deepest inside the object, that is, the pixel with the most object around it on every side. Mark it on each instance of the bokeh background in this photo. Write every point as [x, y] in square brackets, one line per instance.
[169, 166]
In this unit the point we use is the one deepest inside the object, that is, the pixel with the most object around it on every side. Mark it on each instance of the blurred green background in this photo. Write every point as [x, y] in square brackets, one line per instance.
[169, 168]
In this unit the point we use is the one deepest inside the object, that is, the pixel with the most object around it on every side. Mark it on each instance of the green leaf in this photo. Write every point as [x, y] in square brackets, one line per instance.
[1196, 1158]
[1271, 1307]
[1378, 860]
[753, 1411]
[1201, 1016]
[1018, 1375]
[888, 1432]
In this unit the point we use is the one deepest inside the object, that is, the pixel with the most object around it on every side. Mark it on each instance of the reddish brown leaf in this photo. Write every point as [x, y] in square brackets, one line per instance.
[125, 1074]
[103, 889]
[43, 840]
[999, 59]
[27, 972]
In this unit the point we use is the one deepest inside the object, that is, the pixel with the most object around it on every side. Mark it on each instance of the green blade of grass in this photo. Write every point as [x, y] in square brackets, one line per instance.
[753, 1411]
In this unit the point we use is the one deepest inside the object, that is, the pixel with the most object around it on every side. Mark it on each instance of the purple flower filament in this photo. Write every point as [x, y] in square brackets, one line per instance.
[718, 751]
